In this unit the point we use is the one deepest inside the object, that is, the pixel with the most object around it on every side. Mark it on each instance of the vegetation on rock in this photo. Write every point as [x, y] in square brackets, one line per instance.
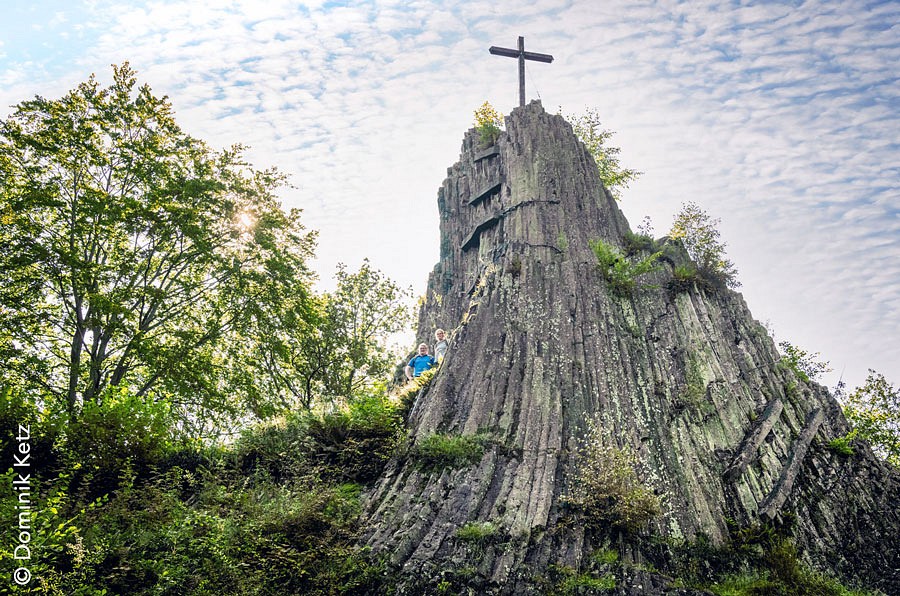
[700, 237]
[805, 365]
[488, 124]
[439, 451]
[607, 489]
[588, 129]
[277, 512]
[618, 270]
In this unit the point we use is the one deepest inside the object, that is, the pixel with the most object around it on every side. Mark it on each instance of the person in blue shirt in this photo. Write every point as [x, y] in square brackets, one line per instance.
[420, 363]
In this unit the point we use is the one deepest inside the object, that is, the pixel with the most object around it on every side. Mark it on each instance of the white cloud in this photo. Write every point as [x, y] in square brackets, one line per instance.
[782, 120]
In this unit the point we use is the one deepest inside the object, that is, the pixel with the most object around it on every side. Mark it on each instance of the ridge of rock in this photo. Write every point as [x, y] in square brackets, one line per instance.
[540, 346]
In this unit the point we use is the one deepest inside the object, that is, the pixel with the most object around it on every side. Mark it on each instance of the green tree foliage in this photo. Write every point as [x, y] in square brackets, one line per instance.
[874, 412]
[698, 232]
[588, 129]
[805, 365]
[488, 123]
[339, 348]
[136, 257]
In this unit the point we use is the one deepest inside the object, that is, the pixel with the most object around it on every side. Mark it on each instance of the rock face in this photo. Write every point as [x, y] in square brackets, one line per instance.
[541, 345]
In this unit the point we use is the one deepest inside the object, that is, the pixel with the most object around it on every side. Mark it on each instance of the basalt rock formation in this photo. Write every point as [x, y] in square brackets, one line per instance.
[681, 375]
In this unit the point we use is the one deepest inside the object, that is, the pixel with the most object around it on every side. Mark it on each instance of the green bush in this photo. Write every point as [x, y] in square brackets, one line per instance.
[804, 364]
[685, 276]
[698, 234]
[275, 446]
[118, 431]
[439, 451]
[841, 445]
[350, 444]
[587, 127]
[231, 534]
[355, 443]
[617, 270]
[606, 487]
[605, 556]
[567, 581]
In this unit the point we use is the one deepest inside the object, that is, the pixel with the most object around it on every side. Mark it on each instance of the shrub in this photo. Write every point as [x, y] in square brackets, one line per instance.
[272, 447]
[117, 431]
[686, 274]
[439, 451]
[569, 582]
[606, 486]
[804, 364]
[488, 123]
[700, 237]
[618, 271]
[355, 442]
[350, 444]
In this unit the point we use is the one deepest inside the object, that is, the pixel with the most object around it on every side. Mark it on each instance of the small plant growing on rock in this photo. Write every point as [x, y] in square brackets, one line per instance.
[841, 445]
[606, 487]
[477, 532]
[618, 270]
[685, 275]
[588, 129]
[439, 451]
[804, 364]
[635, 243]
[488, 123]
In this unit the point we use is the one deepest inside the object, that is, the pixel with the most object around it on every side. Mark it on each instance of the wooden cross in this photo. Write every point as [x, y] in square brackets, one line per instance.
[522, 55]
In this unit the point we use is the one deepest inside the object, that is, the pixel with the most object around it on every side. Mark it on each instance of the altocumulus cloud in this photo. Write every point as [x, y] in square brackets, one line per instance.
[780, 118]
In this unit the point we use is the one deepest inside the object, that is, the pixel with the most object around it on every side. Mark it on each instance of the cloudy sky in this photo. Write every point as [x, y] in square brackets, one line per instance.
[780, 118]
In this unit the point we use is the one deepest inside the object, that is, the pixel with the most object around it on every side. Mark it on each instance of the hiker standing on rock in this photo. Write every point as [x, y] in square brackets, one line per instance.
[441, 345]
[420, 363]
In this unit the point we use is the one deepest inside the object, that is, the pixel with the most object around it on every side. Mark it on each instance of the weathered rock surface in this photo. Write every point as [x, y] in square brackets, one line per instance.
[541, 346]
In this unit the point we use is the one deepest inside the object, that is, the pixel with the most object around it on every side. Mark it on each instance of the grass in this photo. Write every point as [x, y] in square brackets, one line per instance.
[477, 531]
[439, 451]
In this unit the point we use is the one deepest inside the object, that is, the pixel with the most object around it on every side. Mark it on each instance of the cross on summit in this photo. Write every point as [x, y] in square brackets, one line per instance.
[522, 55]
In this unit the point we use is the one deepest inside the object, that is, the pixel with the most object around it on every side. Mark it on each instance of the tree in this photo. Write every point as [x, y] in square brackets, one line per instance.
[136, 258]
[488, 123]
[698, 233]
[589, 131]
[341, 350]
[874, 412]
